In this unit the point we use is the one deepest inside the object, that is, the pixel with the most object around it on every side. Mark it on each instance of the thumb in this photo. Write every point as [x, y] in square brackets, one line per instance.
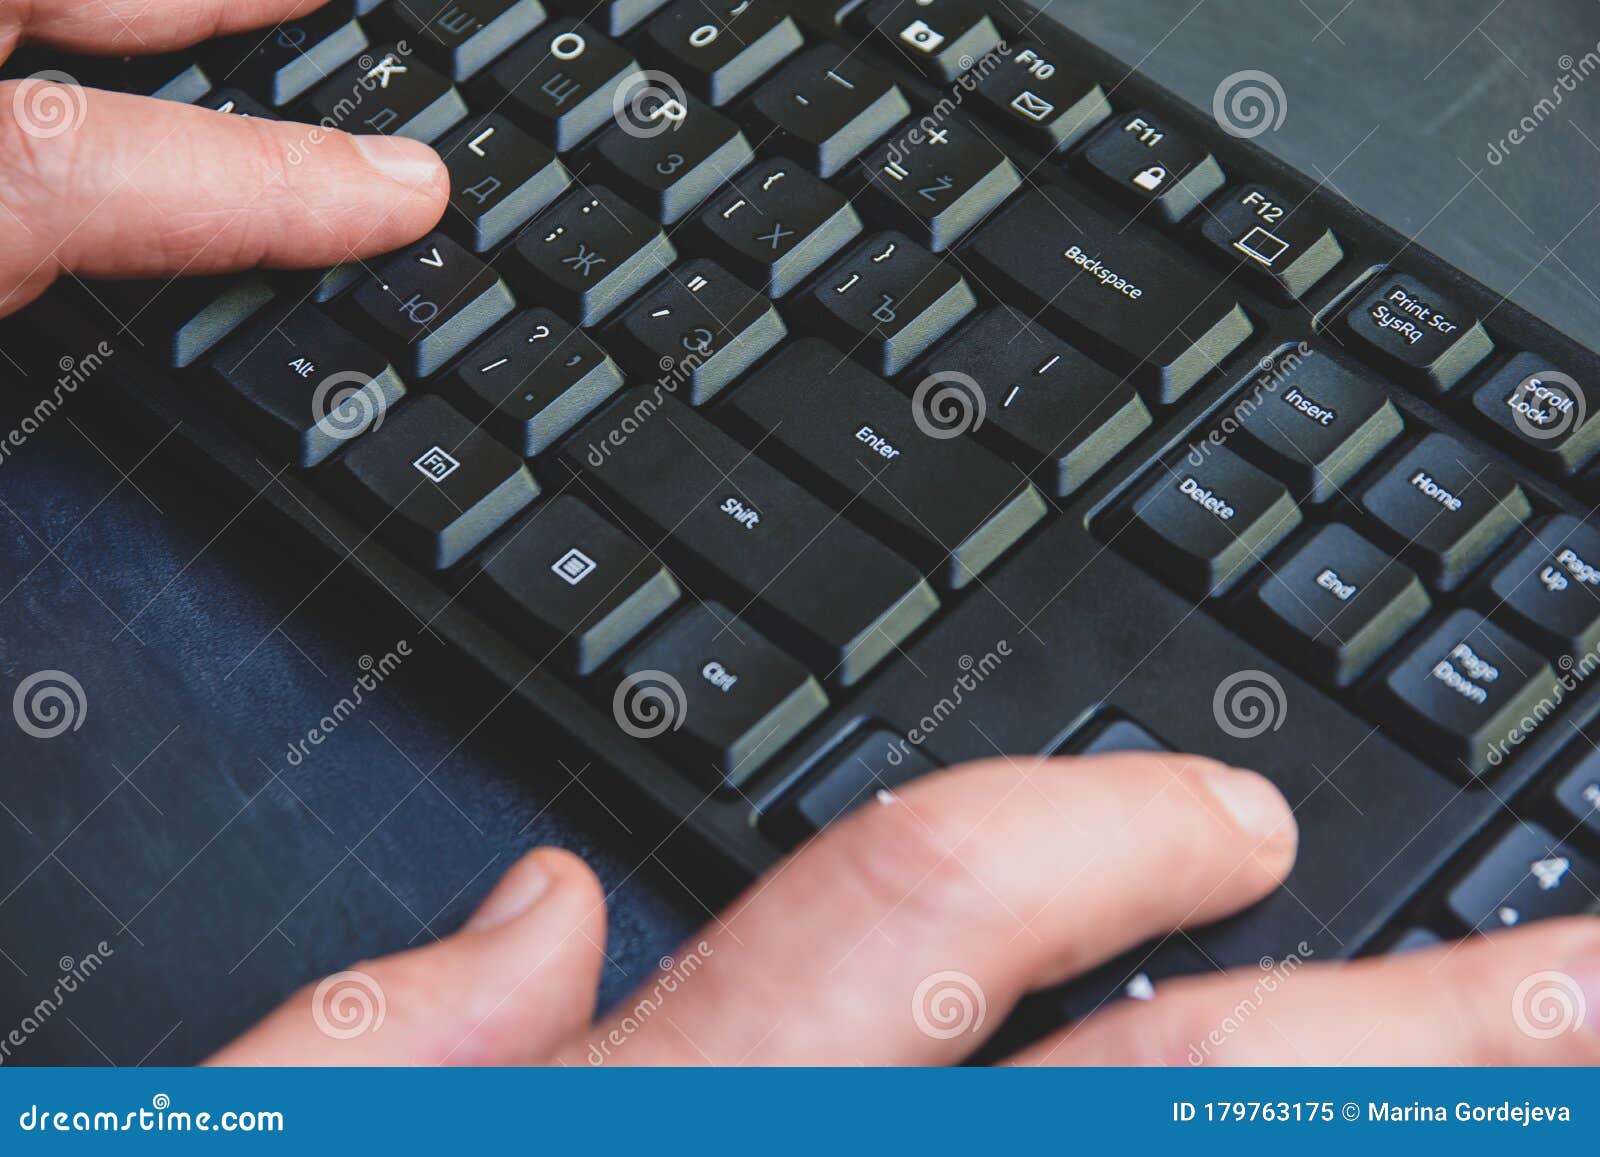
[109, 185]
[516, 980]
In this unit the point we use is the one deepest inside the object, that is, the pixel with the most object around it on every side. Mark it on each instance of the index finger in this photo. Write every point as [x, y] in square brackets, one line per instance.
[136, 27]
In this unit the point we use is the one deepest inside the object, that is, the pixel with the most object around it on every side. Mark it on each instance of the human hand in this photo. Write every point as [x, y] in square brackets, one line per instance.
[881, 940]
[107, 185]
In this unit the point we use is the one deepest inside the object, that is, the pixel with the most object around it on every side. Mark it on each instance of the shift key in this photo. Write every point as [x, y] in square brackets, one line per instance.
[1129, 297]
[931, 492]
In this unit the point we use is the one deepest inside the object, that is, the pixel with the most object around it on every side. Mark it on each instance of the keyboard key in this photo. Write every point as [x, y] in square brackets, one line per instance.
[1143, 160]
[1465, 691]
[1054, 413]
[738, 526]
[568, 581]
[1282, 247]
[1549, 591]
[592, 252]
[941, 38]
[719, 692]
[874, 759]
[701, 324]
[435, 485]
[1416, 333]
[402, 97]
[1445, 508]
[722, 47]
[532, 380]
[302, 385]
[429, 302]
[284, 63]
[1204, 526]
[173, 76]
[890, 299]
[776, 225]
[826, 108]
[1314, 423]
[1127, 298]
[1114, 735]
[668, 156]
[939, 184]
[1578, 794]
[178, 322]
[236, 102]
[1413, 939]
[499, 178]
[1526, 875]
[1041, 100]
[1543, 411]
[559, 82]
[945, 502]
[614, 17]
[1337, 604]
[460, 37]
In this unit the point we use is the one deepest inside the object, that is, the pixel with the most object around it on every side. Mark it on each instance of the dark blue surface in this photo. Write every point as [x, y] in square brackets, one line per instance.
[172, 824]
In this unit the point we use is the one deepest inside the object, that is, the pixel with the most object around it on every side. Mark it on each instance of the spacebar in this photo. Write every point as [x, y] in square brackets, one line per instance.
[1062, 645]
[1131, 298]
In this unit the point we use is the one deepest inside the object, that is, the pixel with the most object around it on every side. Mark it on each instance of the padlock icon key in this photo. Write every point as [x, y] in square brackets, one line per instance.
[1150, 179]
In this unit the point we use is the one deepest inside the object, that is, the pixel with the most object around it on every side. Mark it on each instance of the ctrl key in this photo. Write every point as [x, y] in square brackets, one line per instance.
[1469, 692]
[719, 692]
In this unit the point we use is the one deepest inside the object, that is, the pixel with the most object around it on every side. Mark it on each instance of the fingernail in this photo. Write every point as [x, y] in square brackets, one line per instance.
[1255, 805]
[522, 888]
[399, 158]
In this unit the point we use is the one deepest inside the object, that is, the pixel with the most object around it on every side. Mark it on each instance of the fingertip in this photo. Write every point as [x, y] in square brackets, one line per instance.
[407, 162]
[1253, 803]
[534, 879]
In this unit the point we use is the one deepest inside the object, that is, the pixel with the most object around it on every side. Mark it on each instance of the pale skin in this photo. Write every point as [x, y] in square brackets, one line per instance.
[1009, 872]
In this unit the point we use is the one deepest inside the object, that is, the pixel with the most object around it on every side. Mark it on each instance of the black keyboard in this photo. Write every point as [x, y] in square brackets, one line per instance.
[798, 397]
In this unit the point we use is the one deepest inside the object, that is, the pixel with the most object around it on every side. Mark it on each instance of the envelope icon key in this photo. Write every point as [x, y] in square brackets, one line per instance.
[1033, 106]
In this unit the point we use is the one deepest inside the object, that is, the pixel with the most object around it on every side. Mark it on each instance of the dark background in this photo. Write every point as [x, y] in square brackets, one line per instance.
[172, 826]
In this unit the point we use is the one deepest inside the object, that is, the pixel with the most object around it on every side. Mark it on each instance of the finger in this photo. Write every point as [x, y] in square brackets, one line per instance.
[976, 884]
[136, 27]
[519, 977]
[109, 185]
[1525, 997]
